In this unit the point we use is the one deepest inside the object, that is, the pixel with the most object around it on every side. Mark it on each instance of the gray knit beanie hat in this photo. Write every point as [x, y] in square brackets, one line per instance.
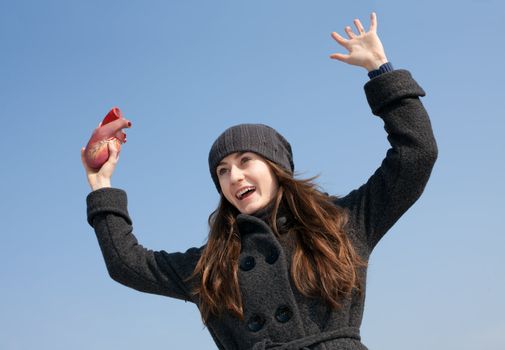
[257, 138]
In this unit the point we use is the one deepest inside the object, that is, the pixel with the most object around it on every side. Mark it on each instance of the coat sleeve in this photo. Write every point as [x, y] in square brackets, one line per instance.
[128, 262]
[399, 181]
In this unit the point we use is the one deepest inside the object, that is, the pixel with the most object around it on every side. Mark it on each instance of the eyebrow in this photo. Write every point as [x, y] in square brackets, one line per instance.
[236, 156]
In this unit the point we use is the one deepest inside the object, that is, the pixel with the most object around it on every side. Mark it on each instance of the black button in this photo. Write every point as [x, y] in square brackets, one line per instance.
[281, 221]
[255, 323]
[272, 256]
[283, 314]
[247, 263]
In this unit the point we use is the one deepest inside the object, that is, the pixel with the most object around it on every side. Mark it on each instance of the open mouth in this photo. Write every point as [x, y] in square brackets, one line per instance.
[245, 192]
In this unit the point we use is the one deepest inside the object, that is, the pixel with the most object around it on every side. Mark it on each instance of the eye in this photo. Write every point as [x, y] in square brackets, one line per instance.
[244, 159]
[221, 171]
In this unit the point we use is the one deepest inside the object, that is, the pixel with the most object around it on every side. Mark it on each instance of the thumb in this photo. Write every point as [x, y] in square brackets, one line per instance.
[339, 56]
[113, 151]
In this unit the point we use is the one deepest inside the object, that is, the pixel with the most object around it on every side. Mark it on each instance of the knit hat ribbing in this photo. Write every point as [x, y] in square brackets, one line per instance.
[257, 138]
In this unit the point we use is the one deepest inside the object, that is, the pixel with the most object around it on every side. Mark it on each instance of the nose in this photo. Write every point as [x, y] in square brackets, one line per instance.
[236, 174]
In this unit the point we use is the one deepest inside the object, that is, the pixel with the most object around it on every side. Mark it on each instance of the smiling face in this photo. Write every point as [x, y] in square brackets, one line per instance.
[247, 181]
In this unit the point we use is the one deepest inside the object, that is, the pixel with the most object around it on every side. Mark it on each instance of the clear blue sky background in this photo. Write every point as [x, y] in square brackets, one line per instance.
[183, 71]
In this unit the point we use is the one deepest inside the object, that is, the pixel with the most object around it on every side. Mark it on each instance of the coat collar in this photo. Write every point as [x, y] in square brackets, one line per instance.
[248, 224]
[258, 221]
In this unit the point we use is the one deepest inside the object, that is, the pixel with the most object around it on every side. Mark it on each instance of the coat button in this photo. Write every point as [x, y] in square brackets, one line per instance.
[247, 263]
[283, 314]
[272, 256]
[255, 323]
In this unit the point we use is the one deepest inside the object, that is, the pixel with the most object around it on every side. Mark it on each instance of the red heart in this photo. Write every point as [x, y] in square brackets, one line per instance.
[109, 130]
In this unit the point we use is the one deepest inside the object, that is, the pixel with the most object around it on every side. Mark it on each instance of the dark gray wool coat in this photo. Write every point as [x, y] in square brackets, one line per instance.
[276, 315]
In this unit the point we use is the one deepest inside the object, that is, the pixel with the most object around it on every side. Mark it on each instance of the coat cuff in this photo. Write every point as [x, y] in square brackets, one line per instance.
[107, 200]
[386, 67]
[390, 86]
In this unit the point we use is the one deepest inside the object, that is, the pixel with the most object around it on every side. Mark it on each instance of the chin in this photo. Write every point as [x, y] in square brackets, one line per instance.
[250, 209]
[247, 211]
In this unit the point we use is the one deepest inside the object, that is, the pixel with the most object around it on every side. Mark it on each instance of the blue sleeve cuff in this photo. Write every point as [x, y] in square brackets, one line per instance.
[386, 67]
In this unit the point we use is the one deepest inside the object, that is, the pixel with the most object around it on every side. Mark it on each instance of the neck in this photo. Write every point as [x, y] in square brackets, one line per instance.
[265, 214]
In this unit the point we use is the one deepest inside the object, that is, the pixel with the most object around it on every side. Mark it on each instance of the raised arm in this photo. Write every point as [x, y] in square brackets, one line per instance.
[405, 170]
[403, 174]
[128, 262]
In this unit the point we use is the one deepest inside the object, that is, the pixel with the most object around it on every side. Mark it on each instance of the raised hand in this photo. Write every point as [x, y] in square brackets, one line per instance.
[101, 178]
[365, 49]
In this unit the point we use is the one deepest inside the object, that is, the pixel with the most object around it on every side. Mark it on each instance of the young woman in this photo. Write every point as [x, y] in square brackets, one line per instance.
[284, 266]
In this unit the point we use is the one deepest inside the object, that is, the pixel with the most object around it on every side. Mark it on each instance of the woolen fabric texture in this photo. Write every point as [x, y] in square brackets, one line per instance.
[276, 315]
[386, 67]
[258, 138]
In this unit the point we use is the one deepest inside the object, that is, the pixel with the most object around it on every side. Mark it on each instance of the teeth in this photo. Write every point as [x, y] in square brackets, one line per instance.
[244, 191]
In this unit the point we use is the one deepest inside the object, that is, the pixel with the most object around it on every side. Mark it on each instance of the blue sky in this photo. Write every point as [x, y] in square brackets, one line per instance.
[184, 71]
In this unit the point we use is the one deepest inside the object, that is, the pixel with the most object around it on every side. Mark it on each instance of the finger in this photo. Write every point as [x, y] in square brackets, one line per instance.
[83, 160]
[359, 26]
[339, 56]
[373, 22]
[350, 33]
[113, 153]
[85, 164]
[339, 39]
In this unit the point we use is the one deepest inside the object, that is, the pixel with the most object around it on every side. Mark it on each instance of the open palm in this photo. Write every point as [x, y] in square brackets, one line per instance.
[365, 49]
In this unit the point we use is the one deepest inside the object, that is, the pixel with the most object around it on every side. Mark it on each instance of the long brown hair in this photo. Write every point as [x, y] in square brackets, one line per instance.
[324, 265]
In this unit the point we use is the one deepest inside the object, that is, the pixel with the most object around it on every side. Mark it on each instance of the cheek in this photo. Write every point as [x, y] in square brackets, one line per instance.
[271, 184]
[225, 190]
[273, 188]
[228, 196]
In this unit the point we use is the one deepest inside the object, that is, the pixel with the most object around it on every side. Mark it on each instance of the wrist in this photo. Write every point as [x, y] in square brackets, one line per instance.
[375, 64]
[100, 184]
